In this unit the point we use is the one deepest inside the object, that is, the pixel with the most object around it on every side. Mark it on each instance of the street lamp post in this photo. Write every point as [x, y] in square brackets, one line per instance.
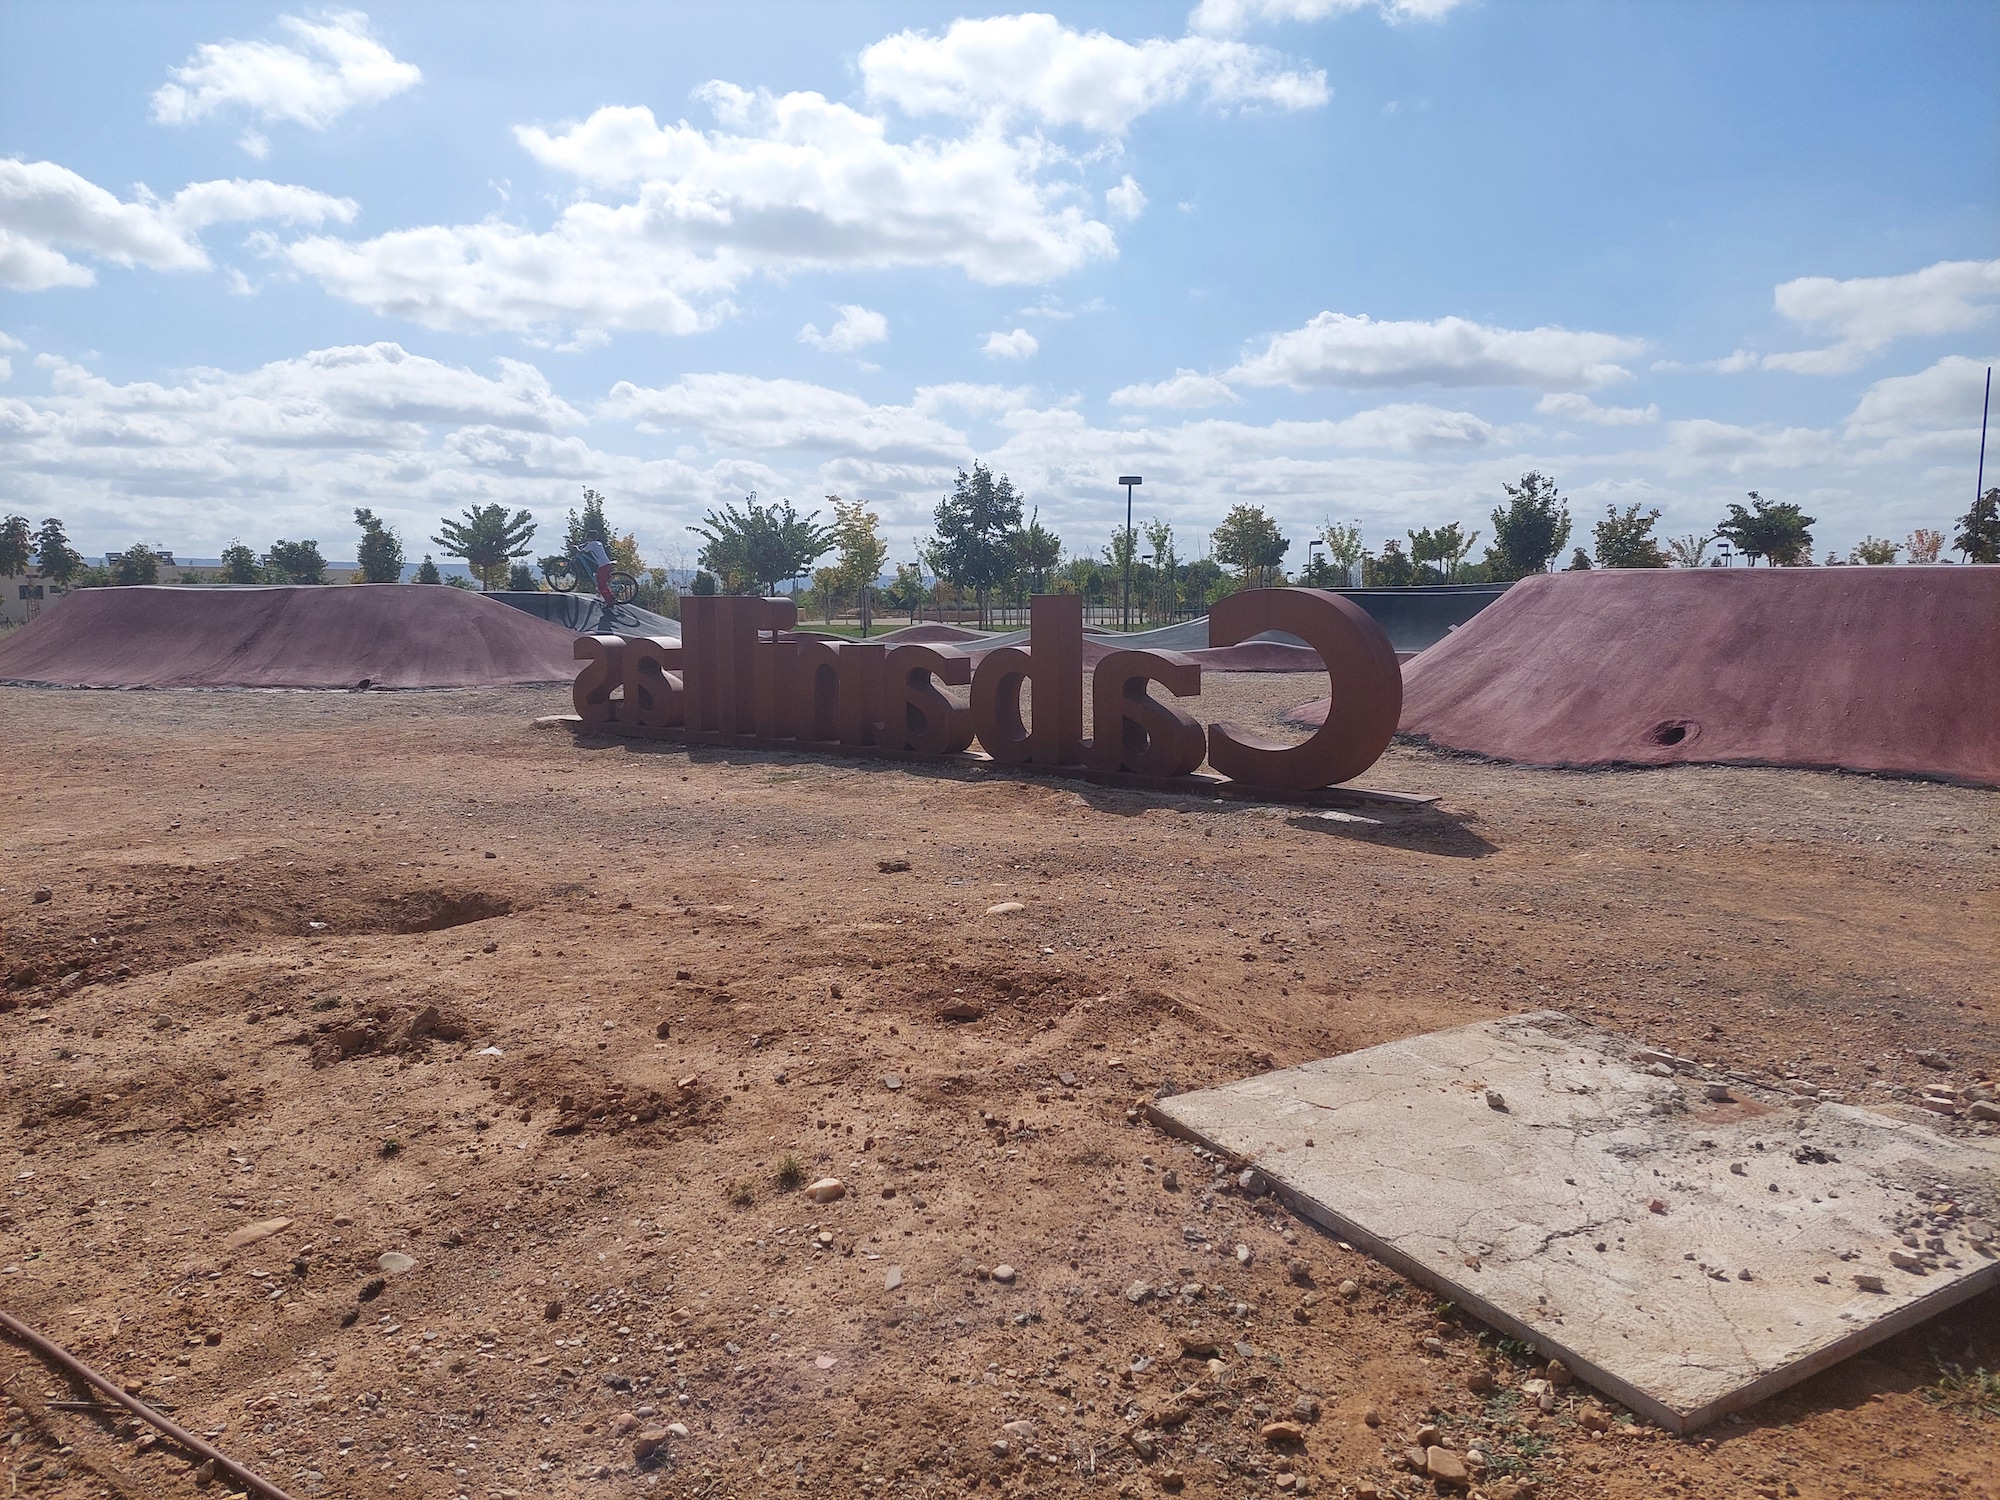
[1125, 595]
[1312, 558]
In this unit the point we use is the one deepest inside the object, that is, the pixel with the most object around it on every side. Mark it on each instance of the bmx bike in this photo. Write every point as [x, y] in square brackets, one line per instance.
[564, 575]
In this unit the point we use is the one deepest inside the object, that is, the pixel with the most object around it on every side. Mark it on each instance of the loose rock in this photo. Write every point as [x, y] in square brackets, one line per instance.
[826, 1190]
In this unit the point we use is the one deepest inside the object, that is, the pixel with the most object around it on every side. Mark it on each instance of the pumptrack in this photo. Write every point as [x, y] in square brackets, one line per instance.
[389, 635]
[1891, 670]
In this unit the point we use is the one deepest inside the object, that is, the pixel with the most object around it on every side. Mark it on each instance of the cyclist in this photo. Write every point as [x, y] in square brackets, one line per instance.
[599, 557]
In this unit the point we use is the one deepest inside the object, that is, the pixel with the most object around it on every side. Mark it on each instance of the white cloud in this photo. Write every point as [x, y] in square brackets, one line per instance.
[1868, 313]
[1934, 412]
[333, 65]
[1580, 408]
[1227, 17]
[856, 328]
[46, 209]
[1035, 68]
[789, 183]
[1339, 349]
[1020, 344]
[746, 411]
[1749, 450]
[8, 344]
[1127, 201]
[1185, 391]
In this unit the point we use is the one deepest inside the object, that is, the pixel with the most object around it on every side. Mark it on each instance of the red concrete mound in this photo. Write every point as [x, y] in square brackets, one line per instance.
[390, 635]
[1891, 669]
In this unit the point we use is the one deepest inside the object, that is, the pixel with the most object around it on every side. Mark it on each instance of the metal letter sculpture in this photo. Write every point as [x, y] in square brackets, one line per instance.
[741, 675]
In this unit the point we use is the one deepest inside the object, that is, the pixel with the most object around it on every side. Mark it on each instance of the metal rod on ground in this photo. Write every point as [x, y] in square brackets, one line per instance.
[61, 1356]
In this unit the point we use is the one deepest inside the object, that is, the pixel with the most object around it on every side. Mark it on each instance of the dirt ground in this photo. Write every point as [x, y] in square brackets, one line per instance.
[566, 1023]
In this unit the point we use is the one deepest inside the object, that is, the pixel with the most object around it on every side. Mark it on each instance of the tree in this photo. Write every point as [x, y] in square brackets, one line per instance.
[591, 526]
[17, 544]
[381, 553]
[239, 564]
[1392, 570]
[59, 561]
[751, 549]
[1446, 547]
[1979, 530]
[1249, 541]
[906, 591]
[1688, 551]
[862, 552]
[1923, 545]
[973, 546]
[1625, 539]
[488, 539]
[1874, 552]
[1780, 532]
[704, 584]
[1037, 551]
[295, 562]
[1530, 531]
[138, 565]
[1579, 562]
[521, 579]
[427, 571]
[1343, 548]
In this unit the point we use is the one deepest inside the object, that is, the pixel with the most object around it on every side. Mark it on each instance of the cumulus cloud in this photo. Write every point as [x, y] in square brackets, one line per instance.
[1749, 450]
[1339, 349]
[856, 328]
[1034, 68]
[1934, 411]
[1580, 408]
[746, 411]
[1184, 391]
[329, 67]
[787, 183]
[1228, 17]
[1020, 344]
[46, 209]
[1868, 313]
[1127, 200]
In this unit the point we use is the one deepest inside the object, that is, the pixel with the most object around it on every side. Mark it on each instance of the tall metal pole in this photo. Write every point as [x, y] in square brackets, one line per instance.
[1979, 486]
[1125, 593]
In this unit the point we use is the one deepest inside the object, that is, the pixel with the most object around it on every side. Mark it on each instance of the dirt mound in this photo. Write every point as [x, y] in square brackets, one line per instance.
[389, 635]
[1893, 670]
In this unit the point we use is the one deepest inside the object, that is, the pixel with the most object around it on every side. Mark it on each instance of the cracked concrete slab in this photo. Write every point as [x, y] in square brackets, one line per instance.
[1685, 1243]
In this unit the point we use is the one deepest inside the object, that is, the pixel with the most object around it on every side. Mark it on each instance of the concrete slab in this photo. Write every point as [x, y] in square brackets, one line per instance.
[1684, 1243]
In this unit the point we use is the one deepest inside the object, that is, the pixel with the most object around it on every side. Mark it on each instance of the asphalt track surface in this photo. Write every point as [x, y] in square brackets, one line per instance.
[386, 635]
[1892, 670]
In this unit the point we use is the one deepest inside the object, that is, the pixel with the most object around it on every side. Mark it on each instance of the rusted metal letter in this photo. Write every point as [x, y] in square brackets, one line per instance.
[916, 715]
[591, 692]
[816, 684]
[1134, 731]
[1363, 681]
[1053, 662]
[654, 699]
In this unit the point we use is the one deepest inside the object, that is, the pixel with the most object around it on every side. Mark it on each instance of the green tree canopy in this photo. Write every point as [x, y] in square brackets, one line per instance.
[17, 545]
[752, 549]
[1249, 541]
[1779, 532]
[1873, 552]
[1530, 531]
[906, 591]
[295, 562]
[488, 539]
[1688, 551]
[1392, 570]
[239, 564]
[59, 561]
[973, 545]
[1037, 552]
[1443, 548]
[1979, 529]
[1579, 561]
[137, 565]
[381, 554]
[427, 571]
[1625, 539]
[590, 526]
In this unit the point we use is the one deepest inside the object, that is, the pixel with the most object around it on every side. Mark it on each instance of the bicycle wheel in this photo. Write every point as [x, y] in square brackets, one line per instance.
[624, 588]
[561, 577]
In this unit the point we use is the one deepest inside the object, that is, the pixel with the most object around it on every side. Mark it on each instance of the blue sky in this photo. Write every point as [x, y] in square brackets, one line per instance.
[1339, 258]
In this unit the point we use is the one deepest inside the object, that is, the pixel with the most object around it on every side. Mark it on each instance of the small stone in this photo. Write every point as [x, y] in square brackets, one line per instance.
[1005, 1274]
[1141, 1442]
[1306, 1409]
[1019, 1429]
[1446, 1467]
[623, 1423]
[1349, 1290]
[1003, 908]
[1656, 1207]
[1479, 1380]
[1930, 1057]
[892, 866]
[42, 894]
[1737, 1169]
[1299, 1271]
[1170, 1180]
[552, 1310]
[1496, 1100]
[961, 1010]
[1371, 1417]
[395, 1263]
[1427, 1435]
[1243, 1255]
[1983, 1109]
[204, 1474]
[892, 1081]
[1902, 1260]
[251, 1234]
[1869, 1283]
[1139, 1291]
[1717, 1093]
[1282, 1432]
[1558, 1373]
[826, 1190]
[1252, 1182]
[662, 1029]
[892, 1279]
[1001, 1448]
[649, 1442]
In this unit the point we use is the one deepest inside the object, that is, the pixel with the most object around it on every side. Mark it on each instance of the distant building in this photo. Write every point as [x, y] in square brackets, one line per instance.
[166, 558]
[25, 595]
